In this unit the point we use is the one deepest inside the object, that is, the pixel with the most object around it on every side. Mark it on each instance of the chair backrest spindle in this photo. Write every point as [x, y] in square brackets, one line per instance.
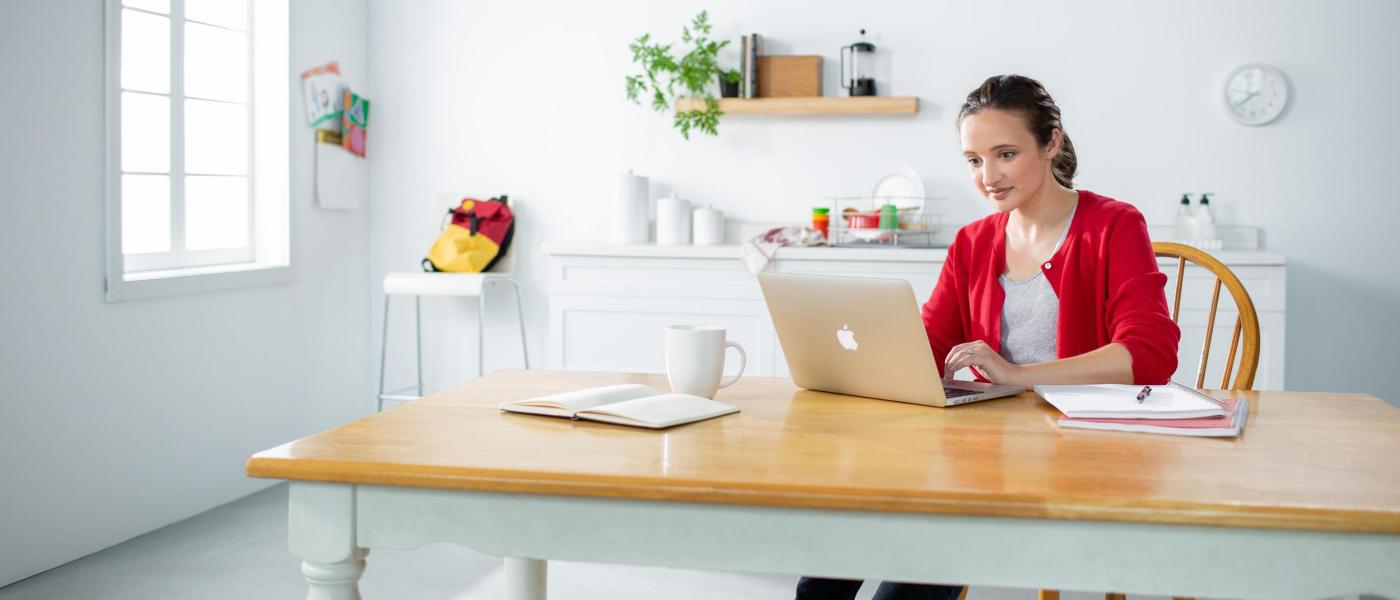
[1230, 358]
[1210, 329]
[1180, 279]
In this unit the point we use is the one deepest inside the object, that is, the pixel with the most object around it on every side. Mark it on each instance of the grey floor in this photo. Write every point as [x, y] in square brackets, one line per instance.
[239, 550]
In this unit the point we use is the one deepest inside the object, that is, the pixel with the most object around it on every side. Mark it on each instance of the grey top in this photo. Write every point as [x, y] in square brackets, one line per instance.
[1030, 314]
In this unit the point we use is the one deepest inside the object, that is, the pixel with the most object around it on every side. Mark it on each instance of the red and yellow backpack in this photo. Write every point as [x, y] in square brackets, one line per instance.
[477, 237]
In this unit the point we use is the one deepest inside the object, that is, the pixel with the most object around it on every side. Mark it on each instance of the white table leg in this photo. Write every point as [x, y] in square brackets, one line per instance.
[525, 578]
[321, 527]
[334, 581]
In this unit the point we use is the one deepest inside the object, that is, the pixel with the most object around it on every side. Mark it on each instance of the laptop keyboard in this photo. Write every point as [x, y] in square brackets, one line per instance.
[951, 392]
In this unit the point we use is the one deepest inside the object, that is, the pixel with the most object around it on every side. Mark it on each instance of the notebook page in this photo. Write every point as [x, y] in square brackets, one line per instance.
[577, 400]
[660, 411]
[1118, 401]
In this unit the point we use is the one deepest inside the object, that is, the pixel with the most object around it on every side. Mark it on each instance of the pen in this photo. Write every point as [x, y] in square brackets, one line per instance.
[1146, 391]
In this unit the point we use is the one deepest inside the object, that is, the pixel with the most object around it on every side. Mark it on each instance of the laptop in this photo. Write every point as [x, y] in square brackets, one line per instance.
[862, 337]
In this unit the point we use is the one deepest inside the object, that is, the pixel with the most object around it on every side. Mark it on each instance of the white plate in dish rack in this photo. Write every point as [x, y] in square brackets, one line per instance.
[899, 181]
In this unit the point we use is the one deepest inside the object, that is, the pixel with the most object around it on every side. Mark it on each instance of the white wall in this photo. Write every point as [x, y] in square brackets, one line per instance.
[121, 418]
[527, 98]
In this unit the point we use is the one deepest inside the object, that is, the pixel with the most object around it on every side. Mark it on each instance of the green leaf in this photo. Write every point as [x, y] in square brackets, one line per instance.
[666, 78]
[635, 87]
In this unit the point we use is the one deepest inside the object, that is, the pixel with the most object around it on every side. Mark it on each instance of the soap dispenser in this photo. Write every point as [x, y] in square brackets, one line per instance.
[1185, 221]
[1204, 225]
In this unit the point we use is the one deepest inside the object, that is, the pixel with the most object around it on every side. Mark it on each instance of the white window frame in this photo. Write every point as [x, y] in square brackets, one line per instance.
[267, 257]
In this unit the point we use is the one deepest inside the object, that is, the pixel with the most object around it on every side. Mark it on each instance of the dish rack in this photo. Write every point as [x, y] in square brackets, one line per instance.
[855, 221]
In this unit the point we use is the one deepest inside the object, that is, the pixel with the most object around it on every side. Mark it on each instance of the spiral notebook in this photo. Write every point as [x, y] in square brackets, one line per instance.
[1117, 401]
[1229, 426]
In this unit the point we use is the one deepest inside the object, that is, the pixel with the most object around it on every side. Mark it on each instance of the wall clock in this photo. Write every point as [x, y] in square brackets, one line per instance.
[1256, 94]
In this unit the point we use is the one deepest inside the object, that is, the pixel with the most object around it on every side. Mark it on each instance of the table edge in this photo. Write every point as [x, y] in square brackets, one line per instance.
[455, 478]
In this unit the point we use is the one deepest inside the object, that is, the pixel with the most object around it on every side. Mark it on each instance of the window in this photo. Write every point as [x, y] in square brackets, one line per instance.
[197, 128]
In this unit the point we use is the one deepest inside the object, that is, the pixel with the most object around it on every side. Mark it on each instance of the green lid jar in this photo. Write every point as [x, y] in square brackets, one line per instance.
[889, 217]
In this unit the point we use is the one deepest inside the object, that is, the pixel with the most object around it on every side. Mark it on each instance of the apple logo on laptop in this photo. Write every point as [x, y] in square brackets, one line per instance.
[847, 338]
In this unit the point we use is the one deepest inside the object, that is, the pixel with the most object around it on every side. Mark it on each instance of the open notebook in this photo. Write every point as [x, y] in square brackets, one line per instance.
[1116, 401]
[627, 404]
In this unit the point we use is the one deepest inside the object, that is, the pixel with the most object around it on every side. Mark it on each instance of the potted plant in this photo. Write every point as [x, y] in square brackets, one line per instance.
[729, 84]
[665, 78]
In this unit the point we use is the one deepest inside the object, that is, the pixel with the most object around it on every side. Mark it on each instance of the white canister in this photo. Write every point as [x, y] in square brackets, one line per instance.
[672, 221]
[630, 218]
[707, 226]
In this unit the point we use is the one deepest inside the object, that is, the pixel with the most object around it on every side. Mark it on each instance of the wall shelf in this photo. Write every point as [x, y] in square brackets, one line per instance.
[815, 105]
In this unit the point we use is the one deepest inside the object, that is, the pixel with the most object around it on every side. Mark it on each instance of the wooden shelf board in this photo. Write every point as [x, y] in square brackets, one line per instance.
[815, 105]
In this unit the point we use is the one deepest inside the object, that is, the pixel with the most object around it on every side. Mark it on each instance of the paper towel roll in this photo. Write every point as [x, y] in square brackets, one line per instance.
[629, 215]
[707, 226]
[672, 221]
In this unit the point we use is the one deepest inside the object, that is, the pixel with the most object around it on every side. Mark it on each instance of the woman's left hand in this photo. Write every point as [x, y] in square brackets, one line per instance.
[982, 357]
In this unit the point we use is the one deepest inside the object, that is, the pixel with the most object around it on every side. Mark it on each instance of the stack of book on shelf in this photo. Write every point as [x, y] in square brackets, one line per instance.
[1172, 409]
[748, 65]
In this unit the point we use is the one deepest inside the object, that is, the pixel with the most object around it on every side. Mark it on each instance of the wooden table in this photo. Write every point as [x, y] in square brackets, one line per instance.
[1305, 505]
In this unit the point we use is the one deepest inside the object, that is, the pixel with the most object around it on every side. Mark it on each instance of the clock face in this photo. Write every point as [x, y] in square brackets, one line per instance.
[1256, 94]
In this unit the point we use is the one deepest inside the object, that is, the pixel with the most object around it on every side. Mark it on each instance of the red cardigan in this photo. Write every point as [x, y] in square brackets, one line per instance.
[1104, 273]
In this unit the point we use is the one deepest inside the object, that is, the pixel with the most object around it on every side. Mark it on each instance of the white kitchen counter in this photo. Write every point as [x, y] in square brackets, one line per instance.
[610, 303]
[1230, 257]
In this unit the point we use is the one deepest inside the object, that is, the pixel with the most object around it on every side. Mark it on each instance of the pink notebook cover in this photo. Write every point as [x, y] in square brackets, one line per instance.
[1206, 423]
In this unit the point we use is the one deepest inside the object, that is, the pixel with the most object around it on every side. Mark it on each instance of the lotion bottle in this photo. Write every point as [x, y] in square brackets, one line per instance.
[1204, 225]
[1185, 221]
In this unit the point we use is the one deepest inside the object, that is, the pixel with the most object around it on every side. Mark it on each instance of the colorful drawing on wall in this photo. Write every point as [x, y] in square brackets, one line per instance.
[354, 120]
[320, 88]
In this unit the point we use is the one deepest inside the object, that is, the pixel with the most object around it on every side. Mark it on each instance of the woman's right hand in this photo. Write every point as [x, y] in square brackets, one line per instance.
[987, 362]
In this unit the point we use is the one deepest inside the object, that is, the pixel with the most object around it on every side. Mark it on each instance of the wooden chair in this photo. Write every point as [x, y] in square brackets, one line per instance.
[1246, 325]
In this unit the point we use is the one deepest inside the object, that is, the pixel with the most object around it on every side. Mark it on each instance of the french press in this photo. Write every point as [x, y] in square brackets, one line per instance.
[860, 82]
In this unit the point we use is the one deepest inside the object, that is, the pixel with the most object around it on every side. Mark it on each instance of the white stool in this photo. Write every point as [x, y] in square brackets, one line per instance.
[419, 284]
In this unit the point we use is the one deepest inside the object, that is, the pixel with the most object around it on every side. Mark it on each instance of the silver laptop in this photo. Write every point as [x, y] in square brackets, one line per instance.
[863, 337]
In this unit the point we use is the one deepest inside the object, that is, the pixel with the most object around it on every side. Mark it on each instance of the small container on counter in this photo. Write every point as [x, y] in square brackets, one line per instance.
[889, 217]
[707, 226]
[672, 221]
[821, 221]
[629, 218]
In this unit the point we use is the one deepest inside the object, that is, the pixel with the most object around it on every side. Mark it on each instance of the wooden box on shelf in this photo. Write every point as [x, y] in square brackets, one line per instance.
[789, 76]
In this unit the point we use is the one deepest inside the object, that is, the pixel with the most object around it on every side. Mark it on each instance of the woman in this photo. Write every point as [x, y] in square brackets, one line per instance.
[1057, 286]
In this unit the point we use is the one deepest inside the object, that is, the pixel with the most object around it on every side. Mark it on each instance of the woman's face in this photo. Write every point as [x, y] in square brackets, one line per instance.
[1007, 165]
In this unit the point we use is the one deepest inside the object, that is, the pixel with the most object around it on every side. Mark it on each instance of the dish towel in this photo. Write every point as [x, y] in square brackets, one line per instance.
[759, 251]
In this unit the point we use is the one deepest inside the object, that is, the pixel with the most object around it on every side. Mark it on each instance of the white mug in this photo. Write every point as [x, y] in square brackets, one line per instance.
[695, 359]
